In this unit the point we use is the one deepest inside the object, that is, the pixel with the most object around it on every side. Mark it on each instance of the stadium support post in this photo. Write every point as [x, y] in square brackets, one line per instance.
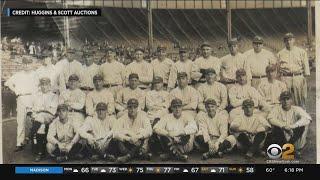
[229, 19]
[150, 27]
[309, 9]
[66, 27]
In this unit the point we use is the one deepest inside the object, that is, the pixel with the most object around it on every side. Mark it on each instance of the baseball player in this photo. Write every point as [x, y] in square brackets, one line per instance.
[43, 111]
[69, 67]
[204, 62]
[213, 131]
[187, 94]
[231, 63]
[271, 89]
[294, 66]
[142, 68]
[176, 133]
[97, 131]
[130, 92]
[183, 65]
[212, 90]
[157, 101]
[100, 94]
[113, 72]
[161, 65]
[249, 128]
[131, 133]
[289, 123]
[257, 61]
[75, 99]
[63, 139]
[89, 70]
[23, 84]
[242, 91]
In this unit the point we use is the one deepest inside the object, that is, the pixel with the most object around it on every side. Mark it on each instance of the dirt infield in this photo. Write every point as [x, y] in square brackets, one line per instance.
[308, 154]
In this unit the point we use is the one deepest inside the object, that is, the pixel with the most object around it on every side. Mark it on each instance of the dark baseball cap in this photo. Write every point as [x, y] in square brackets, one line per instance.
[73, 77]
[258, 39]
[133, 102]
[285, 95]
[97, 77]
[240, 72]
[62, 107]
[133, 75]
[176, 103]
[210, 101]
[157, 79]
[101, 106]
[248, 103]
[182, 74]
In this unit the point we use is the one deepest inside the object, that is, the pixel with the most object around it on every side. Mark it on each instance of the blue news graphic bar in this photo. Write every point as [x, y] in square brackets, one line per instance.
[39, 170]
[8, 11]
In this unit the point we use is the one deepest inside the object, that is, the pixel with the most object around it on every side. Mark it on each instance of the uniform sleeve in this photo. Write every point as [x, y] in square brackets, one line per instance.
[11, 83]
[89, 105]
[273, 118]
[191, 127]
[305, 62]
[123, 74]
[303, 118]
[172, 77]
[148, 75]
[160, 127]
[235, 124]
[223, 126]
[120, 106]
[52, 133]
[83, 132]
[118, 131]
[53, 104]
[111, 103]
[224, 97]
[203, 127]
[146, 130]
[247, 68]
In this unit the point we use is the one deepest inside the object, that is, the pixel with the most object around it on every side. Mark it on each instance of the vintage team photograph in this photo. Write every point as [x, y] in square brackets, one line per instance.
[159, 82]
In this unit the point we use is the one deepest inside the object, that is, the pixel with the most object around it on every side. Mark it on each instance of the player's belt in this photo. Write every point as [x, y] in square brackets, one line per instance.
[259, 77]
[86, 88]
[27, 94]
[292, 74]
[76, 110]
[111, 85]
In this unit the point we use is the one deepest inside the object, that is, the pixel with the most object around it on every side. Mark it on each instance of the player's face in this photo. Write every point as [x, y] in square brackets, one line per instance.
[133, 83]
[139, 56]
[132, 111]
[257, 47]
[63, 114]
[183, 81]
[158, 86]
[177, 111]
[89, 61]
[45, 87]
[286, 103]
[289, 42]
[110, 55]
[162, 54]
[183, 56]
[242, 79]
[206, 51]
[73, 84]
[70, 57]
[233, 48]
[102, 113]
[211, 109]
[210, 77]
[248, 110]
[98, 84]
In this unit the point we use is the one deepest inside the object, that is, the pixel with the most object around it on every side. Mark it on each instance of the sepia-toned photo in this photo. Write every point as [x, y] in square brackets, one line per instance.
[159, 81]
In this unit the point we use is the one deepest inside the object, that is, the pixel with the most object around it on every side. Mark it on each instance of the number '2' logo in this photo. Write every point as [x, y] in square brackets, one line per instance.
[274, 151]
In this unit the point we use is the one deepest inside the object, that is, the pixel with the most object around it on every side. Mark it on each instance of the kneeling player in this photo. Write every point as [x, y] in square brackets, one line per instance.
[176, 132]
[131, 134]
[213, 131]
[250, 129]
[63, 141]
[97, 130]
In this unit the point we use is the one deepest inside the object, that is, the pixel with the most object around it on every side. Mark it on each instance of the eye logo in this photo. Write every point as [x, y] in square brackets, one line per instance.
[274, 151]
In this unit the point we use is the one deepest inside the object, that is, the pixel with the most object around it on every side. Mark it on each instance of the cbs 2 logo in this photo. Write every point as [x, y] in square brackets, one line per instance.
[274, 151]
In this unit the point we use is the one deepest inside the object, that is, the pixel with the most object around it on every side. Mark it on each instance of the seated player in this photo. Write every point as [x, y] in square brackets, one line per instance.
[214, 90]
[175, 132]
[272, 88]
[157, 101]
[289, 123]
[97, 131]
[213, 131]
[63, 139]
[130, 92]
[44, 107]
[249, 128]
[131, 134]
